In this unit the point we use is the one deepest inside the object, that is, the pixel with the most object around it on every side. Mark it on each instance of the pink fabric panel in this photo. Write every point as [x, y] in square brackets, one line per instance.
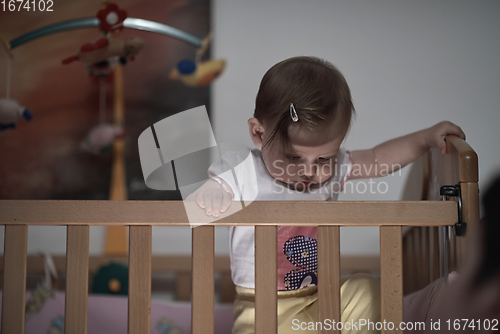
[297, 257]
[108, 315]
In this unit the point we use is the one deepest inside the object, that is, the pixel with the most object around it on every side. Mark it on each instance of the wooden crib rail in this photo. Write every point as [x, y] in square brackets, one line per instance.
[274, 213]
[16, 215]
[79, 215]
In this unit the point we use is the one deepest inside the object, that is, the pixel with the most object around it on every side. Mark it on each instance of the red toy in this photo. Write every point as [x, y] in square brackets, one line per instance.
[111, 18]
[106, 48]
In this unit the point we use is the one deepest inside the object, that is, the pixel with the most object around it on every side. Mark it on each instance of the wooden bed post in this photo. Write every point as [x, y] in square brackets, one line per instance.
[329, 274]
[77, 275]
[470, 202]
[139, 279]
[202, 309]
[266, 279]
[465, 170]
[14, 281]
[391, 274]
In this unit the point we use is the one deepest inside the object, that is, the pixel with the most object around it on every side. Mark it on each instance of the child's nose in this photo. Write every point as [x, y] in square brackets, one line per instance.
[309, 171]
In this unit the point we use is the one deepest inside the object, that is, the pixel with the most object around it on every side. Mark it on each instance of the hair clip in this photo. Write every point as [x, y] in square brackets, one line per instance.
[293, 113]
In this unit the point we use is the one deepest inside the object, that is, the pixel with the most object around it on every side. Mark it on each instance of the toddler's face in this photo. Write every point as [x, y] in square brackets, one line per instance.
[311, 160]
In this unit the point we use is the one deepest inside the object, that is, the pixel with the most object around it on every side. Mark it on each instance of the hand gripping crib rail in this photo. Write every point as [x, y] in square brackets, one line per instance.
[459, 166]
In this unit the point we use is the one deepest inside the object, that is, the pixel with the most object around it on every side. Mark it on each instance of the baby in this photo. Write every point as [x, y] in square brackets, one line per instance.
[303, 112]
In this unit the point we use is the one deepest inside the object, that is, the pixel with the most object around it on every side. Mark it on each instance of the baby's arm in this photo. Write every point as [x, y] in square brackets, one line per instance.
[398, 152]
[211, 197]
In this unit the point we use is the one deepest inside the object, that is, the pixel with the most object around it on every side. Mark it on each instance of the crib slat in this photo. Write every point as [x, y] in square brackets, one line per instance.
[406, 263]
[266, 278]
[202, 310]
[435, 253]
[426, 265]
[458, 252]
[139, 280]
[391, 265]
[14, 283]
[329, 274]
[410, 280]
[453, 251]
[417, 251]
[77, 269]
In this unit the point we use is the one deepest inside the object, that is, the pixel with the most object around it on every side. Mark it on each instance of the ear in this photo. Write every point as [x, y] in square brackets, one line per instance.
[256, 131]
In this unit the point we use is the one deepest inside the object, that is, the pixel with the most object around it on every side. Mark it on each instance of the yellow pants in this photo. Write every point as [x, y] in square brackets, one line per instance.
[359, 299]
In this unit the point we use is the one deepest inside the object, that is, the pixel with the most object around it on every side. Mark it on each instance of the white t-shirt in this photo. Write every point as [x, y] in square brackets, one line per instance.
[245, 175]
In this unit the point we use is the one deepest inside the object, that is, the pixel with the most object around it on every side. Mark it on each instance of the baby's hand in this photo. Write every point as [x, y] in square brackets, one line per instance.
[212, 198]
[434, 136]
[214, 201]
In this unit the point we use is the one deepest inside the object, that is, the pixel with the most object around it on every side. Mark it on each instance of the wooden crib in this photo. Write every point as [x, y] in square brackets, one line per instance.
[458, 167]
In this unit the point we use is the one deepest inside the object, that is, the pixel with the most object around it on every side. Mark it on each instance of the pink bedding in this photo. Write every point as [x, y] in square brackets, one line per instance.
[108, 315]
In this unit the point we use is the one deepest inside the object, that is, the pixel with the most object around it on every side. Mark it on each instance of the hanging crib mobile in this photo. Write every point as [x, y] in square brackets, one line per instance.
[10, 110]
[102, 55]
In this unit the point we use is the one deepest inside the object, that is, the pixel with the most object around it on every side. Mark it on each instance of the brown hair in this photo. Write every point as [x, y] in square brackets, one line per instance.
[317, 89]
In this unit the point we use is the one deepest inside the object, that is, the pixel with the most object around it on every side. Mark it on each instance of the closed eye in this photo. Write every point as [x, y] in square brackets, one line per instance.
[324, 160]
[292, 157]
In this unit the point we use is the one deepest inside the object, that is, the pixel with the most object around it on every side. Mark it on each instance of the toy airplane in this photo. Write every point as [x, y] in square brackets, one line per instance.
[11, 112]
[106, 48]
[196, 74]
